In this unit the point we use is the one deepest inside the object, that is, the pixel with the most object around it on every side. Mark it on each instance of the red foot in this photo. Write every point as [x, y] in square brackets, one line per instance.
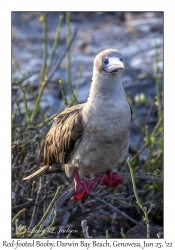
[84, 187]
[112, 179]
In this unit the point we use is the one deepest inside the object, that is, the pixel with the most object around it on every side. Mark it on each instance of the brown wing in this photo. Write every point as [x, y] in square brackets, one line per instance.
[66, 130]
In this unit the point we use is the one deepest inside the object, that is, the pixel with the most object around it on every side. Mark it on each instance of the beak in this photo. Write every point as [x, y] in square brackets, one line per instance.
[114, 64]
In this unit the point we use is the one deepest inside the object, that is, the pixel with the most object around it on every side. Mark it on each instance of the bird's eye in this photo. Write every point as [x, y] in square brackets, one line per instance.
[105, 61]
[121, 58]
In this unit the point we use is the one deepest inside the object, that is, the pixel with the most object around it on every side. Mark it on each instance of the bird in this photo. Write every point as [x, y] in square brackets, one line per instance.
[92, 137]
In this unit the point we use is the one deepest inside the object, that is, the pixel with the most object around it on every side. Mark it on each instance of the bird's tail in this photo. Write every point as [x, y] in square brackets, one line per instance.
[39, 172]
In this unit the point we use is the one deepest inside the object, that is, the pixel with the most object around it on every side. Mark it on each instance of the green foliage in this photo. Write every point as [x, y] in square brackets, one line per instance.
[153, 144]
[30, 123]
[141, 99]
[144, 209]
[122, 233]
[37, 231]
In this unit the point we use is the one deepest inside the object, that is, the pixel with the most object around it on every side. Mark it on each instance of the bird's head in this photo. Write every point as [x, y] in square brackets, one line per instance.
[109, 61]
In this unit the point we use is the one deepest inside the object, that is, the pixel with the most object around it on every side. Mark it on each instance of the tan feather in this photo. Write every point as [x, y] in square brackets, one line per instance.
[60, 141]
[39, 172]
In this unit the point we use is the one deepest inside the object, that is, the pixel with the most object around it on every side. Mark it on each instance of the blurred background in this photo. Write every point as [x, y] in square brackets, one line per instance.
[52, 63]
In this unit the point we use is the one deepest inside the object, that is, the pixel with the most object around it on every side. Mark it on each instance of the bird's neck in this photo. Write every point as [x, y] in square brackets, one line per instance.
[106, 87]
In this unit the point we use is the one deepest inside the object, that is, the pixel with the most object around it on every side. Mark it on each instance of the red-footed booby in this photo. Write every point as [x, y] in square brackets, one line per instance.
[91, 138]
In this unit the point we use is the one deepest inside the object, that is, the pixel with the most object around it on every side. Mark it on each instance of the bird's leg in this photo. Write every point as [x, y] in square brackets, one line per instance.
[83, 187]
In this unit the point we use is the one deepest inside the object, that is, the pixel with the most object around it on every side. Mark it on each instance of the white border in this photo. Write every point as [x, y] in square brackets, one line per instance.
[5, 94]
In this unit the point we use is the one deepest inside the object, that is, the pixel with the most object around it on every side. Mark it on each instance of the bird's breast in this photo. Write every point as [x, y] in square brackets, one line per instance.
[108, 121]
[105, 139]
